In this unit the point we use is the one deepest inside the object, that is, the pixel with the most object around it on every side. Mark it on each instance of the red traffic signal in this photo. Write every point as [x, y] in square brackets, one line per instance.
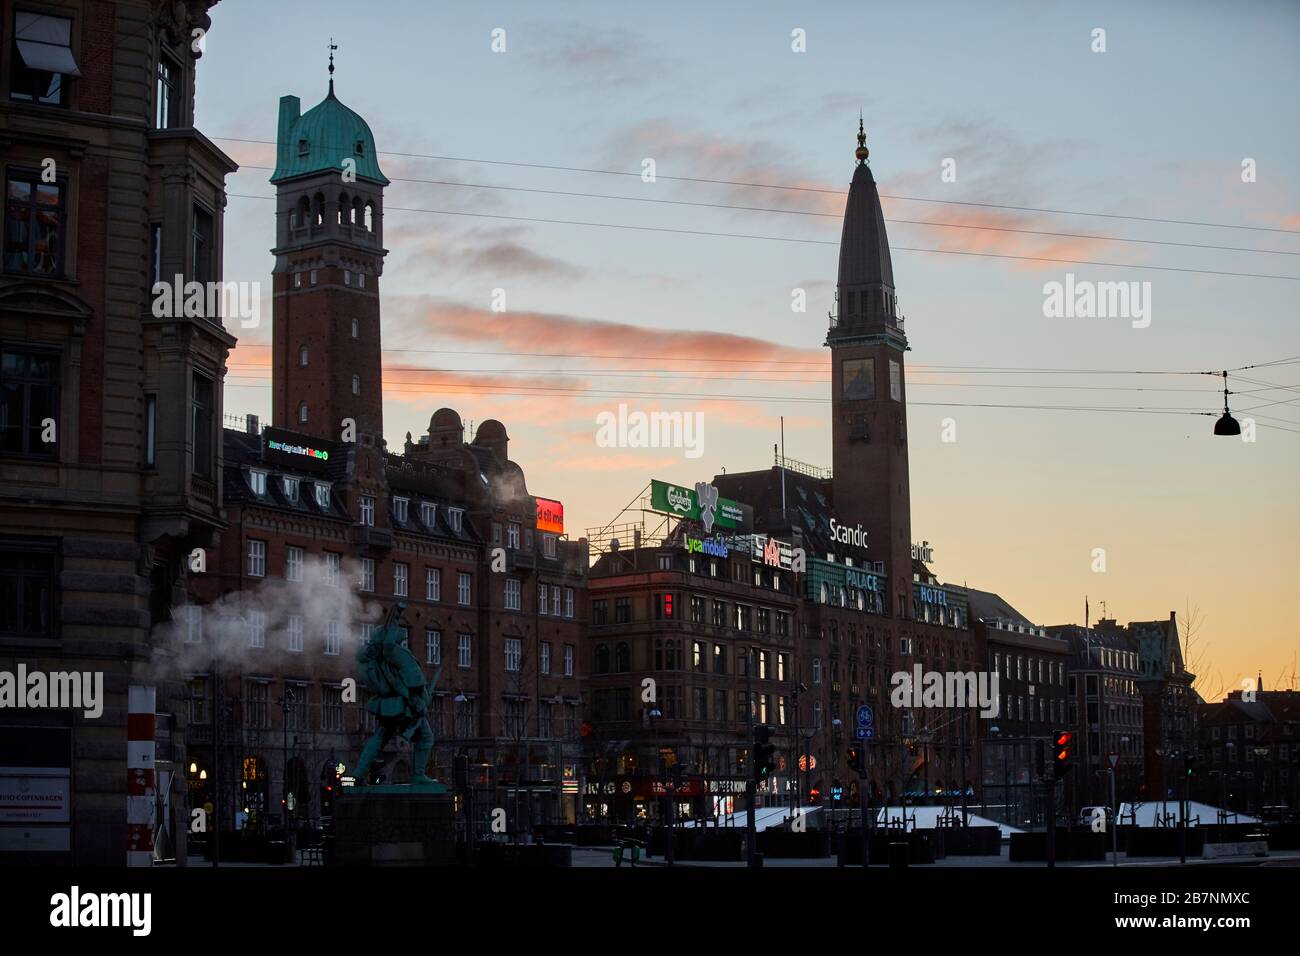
[855, 759]
[1062, 750]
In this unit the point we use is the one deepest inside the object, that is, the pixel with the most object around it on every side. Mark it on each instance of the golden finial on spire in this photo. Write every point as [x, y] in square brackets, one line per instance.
[862, 152]
[333, 46]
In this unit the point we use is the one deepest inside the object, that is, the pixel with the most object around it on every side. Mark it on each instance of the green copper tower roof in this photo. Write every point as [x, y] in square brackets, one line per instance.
[321, 139]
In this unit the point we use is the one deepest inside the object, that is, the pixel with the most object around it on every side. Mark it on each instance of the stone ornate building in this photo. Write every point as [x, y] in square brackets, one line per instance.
[110, 452]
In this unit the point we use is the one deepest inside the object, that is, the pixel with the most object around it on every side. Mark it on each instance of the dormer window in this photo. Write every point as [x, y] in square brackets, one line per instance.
[361, 147]
[302, 147]
[428, 513]
[322, 495]
[400, 506]
[456, 518]
[290, 486]
[257, 482]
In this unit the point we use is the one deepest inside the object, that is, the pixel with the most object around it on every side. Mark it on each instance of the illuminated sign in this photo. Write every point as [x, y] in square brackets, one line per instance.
[714, 549]
[843, 534]
[289, 447]
[933, 596]
[550, 516]
[923, 552]
[771, 552]
[855, 578]
[685, 503]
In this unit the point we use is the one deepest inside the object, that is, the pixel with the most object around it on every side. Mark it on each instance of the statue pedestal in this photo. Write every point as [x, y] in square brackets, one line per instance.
[395, 825]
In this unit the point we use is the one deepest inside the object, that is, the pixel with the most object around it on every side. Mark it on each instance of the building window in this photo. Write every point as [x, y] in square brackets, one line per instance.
[295, 632]
[568, 602]
[512, 535]
[333, 639]
[401, 577]
[433, 647]
[333, 562]
[150, 430]
[512, 594]
[356, 384]
[303, 360]
[368, 510]
[27, 580]
[568, 660]
[42, 59]
[462, 588]
[432, 584]
[203, 411]
[257, 559]
[193, 623]
[356, 328]
[514, 654]
[256, 711]
[361, 280]
[322, 495]
[311, 277]
[29, 402]
[347, 277]
[257, 629]
[199, 697]
[289, 486]
[167, 101]
[622, 610]
[544, 658]
[817, 670]
[548, 545]
[456, 519]
[367, 574]
[401, 507]
[331, 710]
[464, 651]
[428, 514]
[302, 413]
[297, 280]
[541, 600]
[467, 717]
[859, 379]
[202, 248]
[719, 659]
[895, 381]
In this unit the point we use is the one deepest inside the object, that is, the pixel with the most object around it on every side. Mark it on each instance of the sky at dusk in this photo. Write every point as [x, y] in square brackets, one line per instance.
[1154, 128]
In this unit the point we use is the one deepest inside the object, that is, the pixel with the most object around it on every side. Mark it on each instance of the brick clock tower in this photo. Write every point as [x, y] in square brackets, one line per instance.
[868, 392]
[329, 254]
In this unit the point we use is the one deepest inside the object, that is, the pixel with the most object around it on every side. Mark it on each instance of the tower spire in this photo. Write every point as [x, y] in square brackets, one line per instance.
[333, 46]
[861, 152]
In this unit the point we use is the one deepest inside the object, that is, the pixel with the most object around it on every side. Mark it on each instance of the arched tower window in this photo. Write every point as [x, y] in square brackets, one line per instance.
[358, 216]
[318, 210]
[370, 217]
[342, 216]
[302, 413]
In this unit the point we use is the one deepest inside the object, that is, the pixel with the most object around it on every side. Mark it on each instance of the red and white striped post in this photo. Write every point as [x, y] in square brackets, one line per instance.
[140, 779]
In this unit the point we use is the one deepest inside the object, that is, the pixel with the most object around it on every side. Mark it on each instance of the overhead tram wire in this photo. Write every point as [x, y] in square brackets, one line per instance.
[811, 189]
[815, 242]
[827, 215]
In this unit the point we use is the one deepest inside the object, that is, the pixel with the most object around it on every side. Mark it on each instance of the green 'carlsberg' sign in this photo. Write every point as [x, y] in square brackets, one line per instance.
[685, 503]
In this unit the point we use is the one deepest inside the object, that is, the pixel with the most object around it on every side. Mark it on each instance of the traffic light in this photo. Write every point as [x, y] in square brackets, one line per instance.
[1062, 750]
[764, 752]
[855, 759]
[1189, 764]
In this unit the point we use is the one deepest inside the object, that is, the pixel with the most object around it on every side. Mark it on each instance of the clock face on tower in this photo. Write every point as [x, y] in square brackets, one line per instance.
[859, 379]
